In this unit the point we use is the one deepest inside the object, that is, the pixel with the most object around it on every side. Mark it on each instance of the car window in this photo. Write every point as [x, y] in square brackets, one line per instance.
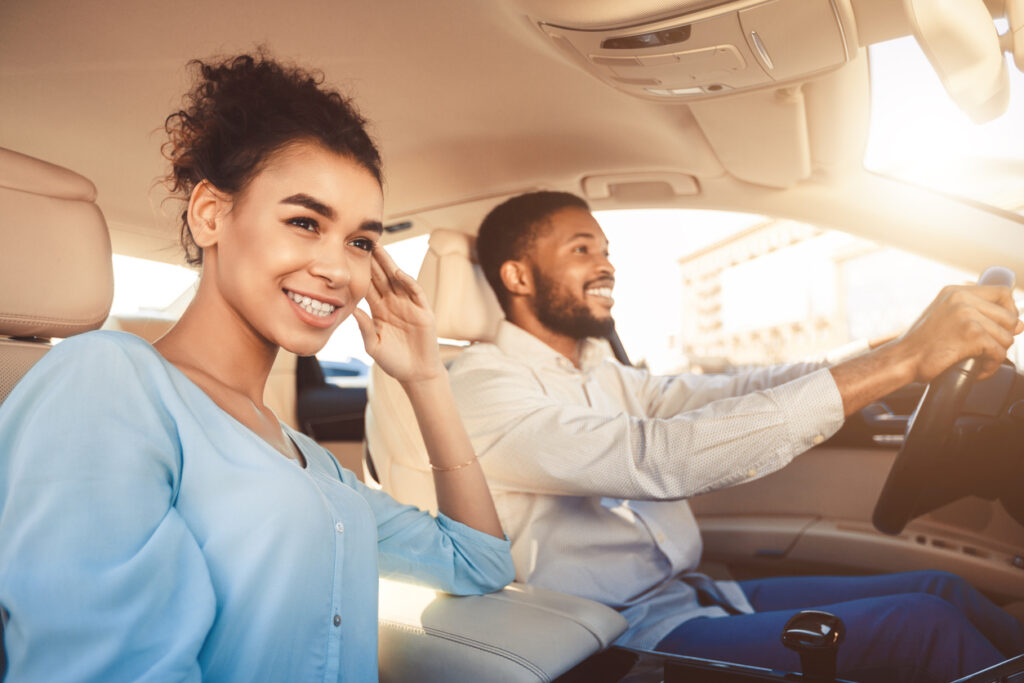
[705, 291]
[151, 287]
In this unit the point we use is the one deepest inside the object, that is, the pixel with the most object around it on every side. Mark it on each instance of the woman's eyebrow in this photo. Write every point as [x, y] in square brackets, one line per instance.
[373, 226]
[310, 203]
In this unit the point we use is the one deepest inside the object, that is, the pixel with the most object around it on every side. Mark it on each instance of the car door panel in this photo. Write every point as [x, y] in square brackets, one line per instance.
[814, 516]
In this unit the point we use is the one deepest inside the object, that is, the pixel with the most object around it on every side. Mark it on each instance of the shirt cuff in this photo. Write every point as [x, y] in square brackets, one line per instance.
[813, 408]
[847, 351]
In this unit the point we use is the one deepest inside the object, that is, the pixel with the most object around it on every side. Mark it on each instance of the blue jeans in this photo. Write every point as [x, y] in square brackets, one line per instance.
[914, 626]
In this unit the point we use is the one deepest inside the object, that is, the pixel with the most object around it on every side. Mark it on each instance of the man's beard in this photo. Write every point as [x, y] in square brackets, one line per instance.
[558, 311]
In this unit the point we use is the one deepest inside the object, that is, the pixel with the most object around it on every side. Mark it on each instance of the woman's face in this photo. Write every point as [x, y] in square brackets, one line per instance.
[294, 247]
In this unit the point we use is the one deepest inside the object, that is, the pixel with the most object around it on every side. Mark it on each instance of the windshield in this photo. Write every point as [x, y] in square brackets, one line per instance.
[709, 291]
[919, 135]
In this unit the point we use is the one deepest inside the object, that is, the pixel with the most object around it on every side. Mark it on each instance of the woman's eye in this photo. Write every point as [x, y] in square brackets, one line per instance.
[363, 243]
[309, 224]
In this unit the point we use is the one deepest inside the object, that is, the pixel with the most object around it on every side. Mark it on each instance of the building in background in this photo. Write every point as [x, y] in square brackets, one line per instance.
[782, 291]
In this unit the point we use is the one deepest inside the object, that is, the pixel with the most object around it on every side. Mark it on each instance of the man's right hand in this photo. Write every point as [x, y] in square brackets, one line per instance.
[962, 322]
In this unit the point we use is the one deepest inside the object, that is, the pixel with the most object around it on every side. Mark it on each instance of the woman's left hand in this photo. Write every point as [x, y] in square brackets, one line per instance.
[401, 336]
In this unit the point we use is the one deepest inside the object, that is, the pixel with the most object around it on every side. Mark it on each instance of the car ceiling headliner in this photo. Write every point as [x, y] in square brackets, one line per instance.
[468, 101]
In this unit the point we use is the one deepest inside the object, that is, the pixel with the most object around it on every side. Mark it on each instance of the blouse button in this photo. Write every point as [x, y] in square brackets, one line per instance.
[337, 620]
[340, 527]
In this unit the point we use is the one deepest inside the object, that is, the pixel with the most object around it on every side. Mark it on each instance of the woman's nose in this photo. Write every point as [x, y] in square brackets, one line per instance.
[331, 264]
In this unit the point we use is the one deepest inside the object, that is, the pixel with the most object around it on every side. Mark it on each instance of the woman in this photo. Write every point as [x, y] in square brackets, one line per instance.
[157, 521]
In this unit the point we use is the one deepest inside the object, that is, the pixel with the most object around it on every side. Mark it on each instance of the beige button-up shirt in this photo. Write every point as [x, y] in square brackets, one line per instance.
[590, 467]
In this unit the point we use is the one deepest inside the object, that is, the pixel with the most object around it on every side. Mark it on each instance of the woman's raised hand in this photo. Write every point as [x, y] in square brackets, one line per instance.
[402, 338]
[401, 335]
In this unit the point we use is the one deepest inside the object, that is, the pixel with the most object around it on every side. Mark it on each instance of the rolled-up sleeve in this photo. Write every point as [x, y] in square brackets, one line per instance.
[99, 575]
[436, 551]
[703, 435]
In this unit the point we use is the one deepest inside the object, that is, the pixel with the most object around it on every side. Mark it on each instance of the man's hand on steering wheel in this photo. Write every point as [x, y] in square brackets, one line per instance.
[961, 337]
[962, 322]
[974, 321]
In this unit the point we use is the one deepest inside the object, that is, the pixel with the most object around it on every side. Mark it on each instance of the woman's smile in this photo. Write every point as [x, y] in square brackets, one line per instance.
[313, 311]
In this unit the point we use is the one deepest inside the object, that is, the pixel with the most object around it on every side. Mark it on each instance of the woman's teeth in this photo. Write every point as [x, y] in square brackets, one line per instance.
[318, 308]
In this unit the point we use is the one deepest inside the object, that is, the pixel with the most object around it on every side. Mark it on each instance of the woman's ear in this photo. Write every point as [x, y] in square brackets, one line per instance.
[517, 277]
[206, 206]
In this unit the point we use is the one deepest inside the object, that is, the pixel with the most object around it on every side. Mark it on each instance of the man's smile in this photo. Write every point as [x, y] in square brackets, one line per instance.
[601, 290]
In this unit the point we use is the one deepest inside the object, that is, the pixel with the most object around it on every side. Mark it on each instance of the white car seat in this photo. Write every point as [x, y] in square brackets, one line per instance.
[518, 634]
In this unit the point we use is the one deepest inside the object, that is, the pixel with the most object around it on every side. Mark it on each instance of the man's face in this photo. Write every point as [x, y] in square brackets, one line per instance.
[573, 278]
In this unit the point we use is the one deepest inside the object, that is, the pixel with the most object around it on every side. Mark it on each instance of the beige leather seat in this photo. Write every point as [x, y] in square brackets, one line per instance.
[518, 634]
[56, 278]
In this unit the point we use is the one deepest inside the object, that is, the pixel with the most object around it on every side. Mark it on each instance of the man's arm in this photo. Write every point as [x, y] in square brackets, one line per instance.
[533, 438]
[962, 322]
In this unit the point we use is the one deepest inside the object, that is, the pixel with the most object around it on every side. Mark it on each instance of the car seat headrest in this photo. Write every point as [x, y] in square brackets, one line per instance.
[56, 276]
[463, 303]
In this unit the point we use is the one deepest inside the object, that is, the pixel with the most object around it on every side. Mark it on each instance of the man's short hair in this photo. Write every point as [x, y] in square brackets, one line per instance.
[509, 230]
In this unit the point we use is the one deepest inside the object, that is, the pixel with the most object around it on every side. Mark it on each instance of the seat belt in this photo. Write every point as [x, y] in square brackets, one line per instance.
[617, 348]
[709, 594]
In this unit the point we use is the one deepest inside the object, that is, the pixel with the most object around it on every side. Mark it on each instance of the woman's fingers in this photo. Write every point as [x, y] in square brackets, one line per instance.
[384, 266]
[412, 288]
[366, 328]
[373, 295]
[378, 277]
[382, 257]
[387, 277]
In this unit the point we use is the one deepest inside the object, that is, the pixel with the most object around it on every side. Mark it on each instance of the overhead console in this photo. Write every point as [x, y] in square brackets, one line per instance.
[731, 46]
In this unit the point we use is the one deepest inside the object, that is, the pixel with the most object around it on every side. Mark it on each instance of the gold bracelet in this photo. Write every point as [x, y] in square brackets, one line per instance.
[452, 468]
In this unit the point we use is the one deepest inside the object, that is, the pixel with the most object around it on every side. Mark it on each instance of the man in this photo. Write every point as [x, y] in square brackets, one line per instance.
[590, 462]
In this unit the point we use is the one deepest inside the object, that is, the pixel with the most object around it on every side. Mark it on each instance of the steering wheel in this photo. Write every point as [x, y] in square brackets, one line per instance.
[928, 434]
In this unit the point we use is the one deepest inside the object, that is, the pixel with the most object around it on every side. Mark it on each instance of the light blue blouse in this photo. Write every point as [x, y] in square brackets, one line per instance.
[145, 534]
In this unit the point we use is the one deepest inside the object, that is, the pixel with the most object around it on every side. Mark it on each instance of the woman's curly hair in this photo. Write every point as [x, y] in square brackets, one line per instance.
[243, 109]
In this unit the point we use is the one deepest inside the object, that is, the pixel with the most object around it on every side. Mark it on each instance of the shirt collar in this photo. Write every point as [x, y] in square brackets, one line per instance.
[518, 343]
